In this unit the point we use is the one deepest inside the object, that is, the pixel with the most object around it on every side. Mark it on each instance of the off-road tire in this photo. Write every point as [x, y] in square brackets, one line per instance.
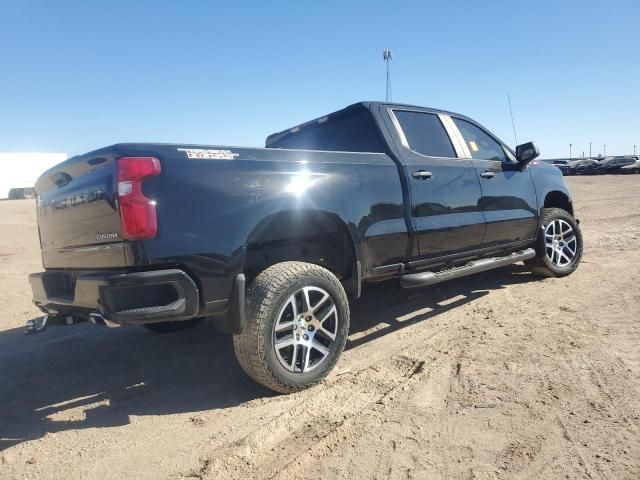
[541, 264]
[163, 328]
[267, 294]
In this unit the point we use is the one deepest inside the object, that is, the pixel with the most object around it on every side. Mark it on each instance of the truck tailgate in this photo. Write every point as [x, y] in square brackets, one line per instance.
[78, 219]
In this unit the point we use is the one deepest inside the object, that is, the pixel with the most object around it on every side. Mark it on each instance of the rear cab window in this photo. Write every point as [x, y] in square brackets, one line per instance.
[347, 131]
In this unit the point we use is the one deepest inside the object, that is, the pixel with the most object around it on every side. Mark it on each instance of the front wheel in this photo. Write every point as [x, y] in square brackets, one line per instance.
[296, 328]
[559, 247]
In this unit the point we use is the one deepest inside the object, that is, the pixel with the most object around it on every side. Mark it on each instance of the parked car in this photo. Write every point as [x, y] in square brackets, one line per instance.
[585, 166]
[613, 165]
[561, 164]
[631, 168]
[273, 242]
[20, 193]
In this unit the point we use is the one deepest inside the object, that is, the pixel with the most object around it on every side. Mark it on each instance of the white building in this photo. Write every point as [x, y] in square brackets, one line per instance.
[19, 171]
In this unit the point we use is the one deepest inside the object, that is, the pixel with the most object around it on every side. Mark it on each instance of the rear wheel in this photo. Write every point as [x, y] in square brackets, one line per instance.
[559, 247]
[172, 327]
[296, 328]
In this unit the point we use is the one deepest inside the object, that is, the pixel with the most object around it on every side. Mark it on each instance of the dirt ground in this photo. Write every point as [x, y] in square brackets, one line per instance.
[500, 375]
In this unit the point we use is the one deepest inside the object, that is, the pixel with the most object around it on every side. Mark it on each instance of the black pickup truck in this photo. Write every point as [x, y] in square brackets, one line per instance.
[270, 243]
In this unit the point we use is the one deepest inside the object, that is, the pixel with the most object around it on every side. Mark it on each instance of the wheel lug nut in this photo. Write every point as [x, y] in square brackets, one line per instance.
[308, 319]
[305, 336]
[295, 327]
[297, 336]
[310, 328]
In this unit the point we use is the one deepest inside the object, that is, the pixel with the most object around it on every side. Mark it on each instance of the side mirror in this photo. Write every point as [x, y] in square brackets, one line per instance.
[527, 152]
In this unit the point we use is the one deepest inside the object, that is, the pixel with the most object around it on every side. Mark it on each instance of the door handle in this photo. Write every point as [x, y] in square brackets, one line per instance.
[488, 175]
[422, 175]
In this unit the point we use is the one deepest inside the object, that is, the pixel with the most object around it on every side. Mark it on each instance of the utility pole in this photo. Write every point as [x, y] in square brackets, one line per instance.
[604, 150]
[590, 150]
[570, 146]
[387, 55]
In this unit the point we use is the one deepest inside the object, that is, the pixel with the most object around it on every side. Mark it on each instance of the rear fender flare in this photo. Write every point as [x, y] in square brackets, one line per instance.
[278, 235]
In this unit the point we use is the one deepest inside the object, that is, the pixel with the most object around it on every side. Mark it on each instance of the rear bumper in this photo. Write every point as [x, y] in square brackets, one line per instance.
[136, 297]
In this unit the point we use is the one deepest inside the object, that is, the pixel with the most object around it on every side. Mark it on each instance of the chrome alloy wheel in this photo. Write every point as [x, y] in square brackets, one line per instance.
[305, 329]
[560, 243]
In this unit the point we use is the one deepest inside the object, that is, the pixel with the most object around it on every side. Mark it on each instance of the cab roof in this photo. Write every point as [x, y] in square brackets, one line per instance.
[364, 105]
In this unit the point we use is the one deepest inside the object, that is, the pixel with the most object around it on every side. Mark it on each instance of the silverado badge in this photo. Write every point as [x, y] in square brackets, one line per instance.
[209, 154]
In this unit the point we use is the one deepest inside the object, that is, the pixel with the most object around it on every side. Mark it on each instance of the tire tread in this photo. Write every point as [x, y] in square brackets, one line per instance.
[249, 346]
[538, 265]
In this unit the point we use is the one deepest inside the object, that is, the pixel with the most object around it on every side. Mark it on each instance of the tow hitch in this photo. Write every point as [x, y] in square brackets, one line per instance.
[37, 325]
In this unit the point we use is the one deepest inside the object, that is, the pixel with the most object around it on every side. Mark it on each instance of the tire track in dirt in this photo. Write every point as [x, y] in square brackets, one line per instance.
[396, 446]
[604, 400]
[323, 417]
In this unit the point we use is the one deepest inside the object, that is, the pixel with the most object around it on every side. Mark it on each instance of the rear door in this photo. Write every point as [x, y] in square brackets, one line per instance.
[444, 189]
[508, 198]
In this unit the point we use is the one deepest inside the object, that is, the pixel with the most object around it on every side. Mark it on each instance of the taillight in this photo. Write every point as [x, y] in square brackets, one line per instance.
[137, 212]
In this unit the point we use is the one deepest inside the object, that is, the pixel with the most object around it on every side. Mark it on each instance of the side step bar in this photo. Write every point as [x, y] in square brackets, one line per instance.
[429, 278]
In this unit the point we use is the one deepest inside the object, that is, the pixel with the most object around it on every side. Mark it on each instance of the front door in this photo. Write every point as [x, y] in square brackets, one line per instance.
[445, 191]
[508, 198]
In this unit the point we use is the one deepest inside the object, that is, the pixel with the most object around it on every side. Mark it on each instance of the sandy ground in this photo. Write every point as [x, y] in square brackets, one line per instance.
[496, 376]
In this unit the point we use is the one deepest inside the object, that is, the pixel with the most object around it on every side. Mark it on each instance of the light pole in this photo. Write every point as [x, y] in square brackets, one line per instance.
[634, 149]
[387, 55]
[604, 150]
[570, 146]
[589, 149]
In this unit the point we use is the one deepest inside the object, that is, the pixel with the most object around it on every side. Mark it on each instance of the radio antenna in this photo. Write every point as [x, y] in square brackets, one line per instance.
[513, 123]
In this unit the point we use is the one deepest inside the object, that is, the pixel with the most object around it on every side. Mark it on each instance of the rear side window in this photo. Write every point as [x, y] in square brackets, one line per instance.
[425, 133]
[352, 132]
[481, 145]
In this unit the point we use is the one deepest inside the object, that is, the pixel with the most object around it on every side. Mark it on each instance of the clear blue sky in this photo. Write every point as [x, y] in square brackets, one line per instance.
[77, 75]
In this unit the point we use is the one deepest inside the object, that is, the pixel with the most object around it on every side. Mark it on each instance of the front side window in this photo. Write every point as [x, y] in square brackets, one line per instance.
[425, 133]
[481, 145]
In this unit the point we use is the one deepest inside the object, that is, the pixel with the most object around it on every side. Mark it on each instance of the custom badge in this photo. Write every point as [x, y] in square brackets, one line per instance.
[106, 236]
[209, 154]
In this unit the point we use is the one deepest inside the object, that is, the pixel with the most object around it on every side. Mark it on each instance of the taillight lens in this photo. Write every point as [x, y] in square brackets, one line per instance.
[137, 212]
